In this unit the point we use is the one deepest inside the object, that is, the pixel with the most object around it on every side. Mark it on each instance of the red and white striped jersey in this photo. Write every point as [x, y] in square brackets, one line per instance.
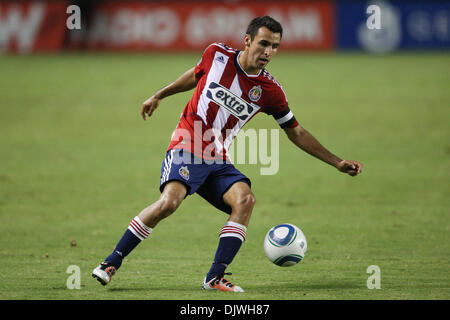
[225, 99]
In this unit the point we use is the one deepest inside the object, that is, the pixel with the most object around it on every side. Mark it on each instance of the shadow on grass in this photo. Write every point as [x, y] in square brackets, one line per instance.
[153, 289]
[329, 285]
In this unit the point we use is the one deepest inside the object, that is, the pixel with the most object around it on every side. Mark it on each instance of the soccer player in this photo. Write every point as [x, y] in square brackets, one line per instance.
[231, 87]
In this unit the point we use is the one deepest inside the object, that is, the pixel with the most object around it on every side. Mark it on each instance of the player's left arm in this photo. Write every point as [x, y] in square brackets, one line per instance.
[306, 141]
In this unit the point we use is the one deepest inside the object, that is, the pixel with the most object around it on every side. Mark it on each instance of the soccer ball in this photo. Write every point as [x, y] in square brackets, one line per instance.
[285, 245]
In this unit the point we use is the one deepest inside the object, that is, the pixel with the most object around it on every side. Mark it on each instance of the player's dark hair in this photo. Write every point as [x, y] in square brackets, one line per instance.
[266, 21]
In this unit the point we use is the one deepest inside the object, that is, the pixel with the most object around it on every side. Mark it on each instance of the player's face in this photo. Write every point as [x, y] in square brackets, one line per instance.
[263, 47]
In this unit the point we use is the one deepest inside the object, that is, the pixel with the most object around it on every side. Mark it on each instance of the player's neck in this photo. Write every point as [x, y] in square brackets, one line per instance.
[246, 65]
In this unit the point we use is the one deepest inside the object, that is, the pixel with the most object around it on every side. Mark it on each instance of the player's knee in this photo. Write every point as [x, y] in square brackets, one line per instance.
[246, 202]
[168, 206]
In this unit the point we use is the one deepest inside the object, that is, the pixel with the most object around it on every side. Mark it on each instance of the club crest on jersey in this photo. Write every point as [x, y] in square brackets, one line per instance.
[255, 93]
[184, 172]
[223, 97]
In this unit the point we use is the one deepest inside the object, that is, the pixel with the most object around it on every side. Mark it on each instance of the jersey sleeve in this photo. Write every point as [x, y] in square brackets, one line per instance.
[280, 110]
[285, 118]
[205, 62]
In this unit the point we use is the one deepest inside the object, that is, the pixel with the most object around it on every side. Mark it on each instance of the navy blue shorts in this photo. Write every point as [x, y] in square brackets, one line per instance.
[209, 180]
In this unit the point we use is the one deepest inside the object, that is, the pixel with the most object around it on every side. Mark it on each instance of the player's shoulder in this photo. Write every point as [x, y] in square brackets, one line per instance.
[273, 95]
[269, 78]
[221, 47]
[270, 83]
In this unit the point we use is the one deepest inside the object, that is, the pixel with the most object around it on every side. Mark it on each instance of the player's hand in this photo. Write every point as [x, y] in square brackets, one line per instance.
[350, 167]
[149, 106]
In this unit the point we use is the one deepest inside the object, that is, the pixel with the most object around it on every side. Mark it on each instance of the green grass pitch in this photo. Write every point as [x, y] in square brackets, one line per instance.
[77, 163]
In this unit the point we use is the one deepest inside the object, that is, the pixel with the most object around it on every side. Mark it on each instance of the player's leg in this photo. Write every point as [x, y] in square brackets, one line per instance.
[140, 228]
[241, 200]
[173, 194]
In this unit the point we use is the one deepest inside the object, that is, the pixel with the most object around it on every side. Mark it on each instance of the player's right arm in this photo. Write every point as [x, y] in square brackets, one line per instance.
[185, 82]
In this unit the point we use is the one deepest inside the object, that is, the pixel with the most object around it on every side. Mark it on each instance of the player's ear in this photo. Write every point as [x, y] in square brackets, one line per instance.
[247, 40]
